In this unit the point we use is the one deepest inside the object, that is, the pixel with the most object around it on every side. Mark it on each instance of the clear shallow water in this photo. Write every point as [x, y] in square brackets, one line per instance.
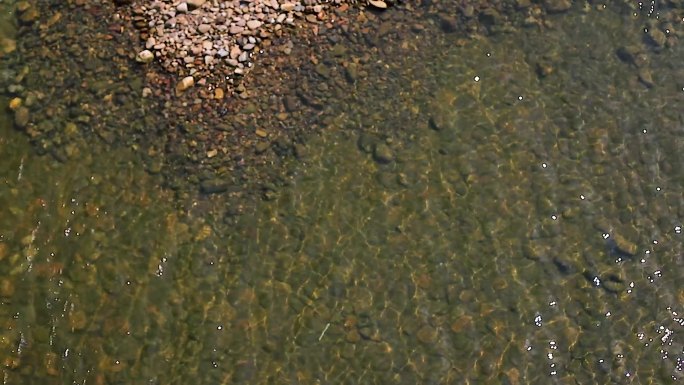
[533, 238]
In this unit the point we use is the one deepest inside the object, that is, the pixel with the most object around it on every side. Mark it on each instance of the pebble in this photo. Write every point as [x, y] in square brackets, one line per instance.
[21, 117]
[378, 4]
[427, 334]
[29, 15]
[182, 7]
[287, 7]
[204, 28]
[290, 103]
[557, 6]
[235, 52]
[184, 84]
[214, 186]
[236, 29]
[624, 245]
[145, 56]
[253, 24]
[382, 153]
[194, 4]
[448, 23]
[261, 147]
[14, 104]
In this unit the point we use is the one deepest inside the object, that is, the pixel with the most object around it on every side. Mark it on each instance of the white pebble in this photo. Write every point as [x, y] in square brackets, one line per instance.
[145, 56]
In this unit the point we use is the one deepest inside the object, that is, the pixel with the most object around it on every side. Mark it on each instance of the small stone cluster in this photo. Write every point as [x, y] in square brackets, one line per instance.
[198, 37]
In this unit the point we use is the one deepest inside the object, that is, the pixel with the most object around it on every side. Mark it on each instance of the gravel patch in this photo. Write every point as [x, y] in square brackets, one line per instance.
[216, 39]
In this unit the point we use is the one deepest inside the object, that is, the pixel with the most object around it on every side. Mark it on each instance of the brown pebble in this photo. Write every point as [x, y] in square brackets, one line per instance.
[290, 103]
[52, 362]
[77, 320]
[353, 336]
[184, 84]
[261, 133]
[219, 93]
[427, 334]
[6, 287]
[463, 322]
[21, 117]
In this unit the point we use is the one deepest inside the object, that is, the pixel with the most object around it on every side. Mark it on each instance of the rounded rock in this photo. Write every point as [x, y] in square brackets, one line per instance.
[21, 117]
[378, 4]
[145, 56]
[382, 153]
[184, 84]
[253, 24]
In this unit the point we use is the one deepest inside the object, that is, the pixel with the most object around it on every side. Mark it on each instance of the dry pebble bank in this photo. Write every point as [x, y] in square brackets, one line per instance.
[215, 43]
[215, 94]
[200, 37]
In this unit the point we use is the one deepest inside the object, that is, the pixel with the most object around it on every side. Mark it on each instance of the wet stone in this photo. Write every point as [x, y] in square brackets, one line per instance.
[382, 153]
[461, 323]
[29, 15]
[490, 17]
[557, 6]
[656, 37]
[646, 78]
[448, 23]
[77, 320]
[184, 84]
[613, 284]
[351, 72]
[144, 56]
[624, 245]
[262, 147]
[6, 288]
[300, 151]
[322, 70]
[21, 117]
[290, 103]
[427, 334]
[214, 186]
[628, 54]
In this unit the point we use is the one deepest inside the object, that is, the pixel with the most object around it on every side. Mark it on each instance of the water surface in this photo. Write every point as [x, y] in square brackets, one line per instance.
[512, 216]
